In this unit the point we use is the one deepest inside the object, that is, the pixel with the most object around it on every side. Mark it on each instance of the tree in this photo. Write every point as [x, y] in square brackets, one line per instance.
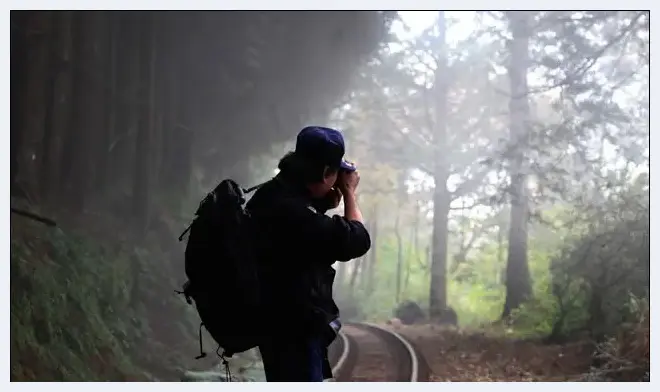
[146, 119]
[433, 112]
[518, 285]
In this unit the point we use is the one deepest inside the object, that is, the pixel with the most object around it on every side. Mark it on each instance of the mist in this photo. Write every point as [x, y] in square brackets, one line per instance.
[504, 163]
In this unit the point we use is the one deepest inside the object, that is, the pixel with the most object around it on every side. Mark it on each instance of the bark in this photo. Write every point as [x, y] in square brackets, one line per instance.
[48, 149]
[413, 248]
[501, 229]
[372, 256]
[518, 284]
[182, 136]
[355, 273]
[36, 36]
[122, 144]
[441, 196]
[399, 254]
[60, 114]
[171, 111]
[141, 185]
[110, 49]
[88, 92]
[18, 58]
[340, 280]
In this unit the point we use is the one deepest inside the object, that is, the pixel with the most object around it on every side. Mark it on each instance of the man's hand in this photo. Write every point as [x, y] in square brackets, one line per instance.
[348, 182]
[333, 198]
[330, 201]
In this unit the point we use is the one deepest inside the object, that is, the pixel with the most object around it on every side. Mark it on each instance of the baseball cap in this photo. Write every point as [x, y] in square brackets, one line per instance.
[324, 145]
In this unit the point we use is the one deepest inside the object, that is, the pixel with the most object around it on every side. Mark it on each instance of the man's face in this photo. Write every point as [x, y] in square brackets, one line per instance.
[330, 180]
[321, 188]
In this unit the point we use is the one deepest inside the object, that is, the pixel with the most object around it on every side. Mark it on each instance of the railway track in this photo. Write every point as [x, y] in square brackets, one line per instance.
[369, 352]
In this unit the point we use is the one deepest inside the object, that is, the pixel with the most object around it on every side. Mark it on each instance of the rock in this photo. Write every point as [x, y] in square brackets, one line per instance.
[448, 317]
[409, 312]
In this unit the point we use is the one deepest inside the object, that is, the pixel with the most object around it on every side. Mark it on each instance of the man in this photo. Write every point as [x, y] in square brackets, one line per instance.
[296, 247]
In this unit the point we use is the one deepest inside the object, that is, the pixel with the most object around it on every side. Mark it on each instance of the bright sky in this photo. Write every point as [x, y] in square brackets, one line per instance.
[419, 20]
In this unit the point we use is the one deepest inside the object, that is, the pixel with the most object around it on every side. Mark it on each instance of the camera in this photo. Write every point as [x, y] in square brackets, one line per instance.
[331, 331]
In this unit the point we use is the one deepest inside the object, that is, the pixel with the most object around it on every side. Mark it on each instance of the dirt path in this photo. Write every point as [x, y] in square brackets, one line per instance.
[461, 356]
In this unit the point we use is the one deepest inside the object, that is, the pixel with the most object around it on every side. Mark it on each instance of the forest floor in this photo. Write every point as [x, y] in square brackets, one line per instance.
[456, 355]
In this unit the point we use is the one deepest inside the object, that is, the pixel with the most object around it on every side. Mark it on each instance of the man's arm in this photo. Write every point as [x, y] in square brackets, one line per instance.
[351, 210]
[340, 237]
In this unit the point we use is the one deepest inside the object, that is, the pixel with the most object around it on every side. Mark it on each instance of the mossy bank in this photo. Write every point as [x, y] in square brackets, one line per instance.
[88, 309]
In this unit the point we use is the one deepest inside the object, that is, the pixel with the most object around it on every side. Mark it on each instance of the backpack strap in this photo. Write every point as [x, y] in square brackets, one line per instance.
[252, 189]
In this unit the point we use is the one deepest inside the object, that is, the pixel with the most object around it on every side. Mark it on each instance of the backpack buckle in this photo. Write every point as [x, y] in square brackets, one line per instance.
[185, 292]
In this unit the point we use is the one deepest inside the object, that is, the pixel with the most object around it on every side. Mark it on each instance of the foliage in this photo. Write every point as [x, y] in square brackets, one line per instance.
[85, 311]
[626, 356]
[585, 157]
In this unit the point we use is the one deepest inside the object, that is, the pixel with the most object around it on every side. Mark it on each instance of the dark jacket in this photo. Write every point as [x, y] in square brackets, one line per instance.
[296, 246]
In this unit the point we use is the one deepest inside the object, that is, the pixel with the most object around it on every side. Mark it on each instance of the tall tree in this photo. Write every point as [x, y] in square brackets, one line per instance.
[61, 108]
[434, 112]
[88, 95]
[143, 149]
[518, 281]
[441, 171]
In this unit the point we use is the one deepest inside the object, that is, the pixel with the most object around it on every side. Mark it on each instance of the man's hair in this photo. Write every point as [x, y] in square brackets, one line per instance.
[307, 171]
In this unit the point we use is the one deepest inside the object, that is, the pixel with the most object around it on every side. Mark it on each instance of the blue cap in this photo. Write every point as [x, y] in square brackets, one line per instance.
[323, 145]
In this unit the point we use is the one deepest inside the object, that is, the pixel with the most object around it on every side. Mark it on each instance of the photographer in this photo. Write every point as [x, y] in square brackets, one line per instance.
[296, 247]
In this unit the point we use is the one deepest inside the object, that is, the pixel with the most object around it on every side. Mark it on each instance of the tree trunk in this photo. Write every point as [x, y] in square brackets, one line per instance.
[412, 247]
[122, 144]
[372, 257]
[168, 181]
[501, 228]
[181, 138]
[438, 294]
[49, 151]
[60, 113]
[110, 56]
[399, 256]
[408, 263]
[355, 272]
[19, 60]
[340, 280]
[441, 196]
[518, 285]
[161, 90]
[141, 185]
[35, 30]
[88, 92]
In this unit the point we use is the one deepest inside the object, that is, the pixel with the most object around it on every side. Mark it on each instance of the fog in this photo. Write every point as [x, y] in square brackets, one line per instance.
[504, 163]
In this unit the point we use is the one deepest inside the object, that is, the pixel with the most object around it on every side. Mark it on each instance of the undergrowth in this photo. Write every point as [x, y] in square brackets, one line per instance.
[84, 310]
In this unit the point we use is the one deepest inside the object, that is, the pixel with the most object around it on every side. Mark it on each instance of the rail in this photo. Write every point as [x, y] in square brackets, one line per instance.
[408, 361]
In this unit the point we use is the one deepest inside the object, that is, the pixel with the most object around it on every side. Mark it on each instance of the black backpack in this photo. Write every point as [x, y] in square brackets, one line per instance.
[222, 271]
